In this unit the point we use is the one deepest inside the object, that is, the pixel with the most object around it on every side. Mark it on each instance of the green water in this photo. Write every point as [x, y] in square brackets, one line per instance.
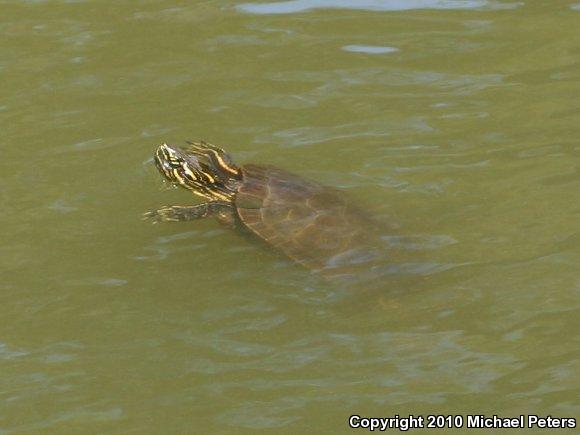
[456, 121]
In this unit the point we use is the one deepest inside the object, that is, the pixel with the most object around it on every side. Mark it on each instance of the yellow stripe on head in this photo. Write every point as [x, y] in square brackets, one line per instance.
[222, 162]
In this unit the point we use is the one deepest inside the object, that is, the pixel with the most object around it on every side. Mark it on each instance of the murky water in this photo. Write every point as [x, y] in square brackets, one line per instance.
[458, 122]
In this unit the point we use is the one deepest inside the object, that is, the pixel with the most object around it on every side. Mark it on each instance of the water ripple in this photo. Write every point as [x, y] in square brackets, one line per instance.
[370, 49]
[293, 6]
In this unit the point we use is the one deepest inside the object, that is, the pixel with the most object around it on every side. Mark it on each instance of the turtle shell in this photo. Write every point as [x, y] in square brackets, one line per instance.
[312, 224]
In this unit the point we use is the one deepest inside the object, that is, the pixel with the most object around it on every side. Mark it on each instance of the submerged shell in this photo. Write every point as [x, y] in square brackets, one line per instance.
[313, 224]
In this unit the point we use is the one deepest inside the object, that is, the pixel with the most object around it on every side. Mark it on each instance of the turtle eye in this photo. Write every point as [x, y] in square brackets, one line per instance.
[172, 164]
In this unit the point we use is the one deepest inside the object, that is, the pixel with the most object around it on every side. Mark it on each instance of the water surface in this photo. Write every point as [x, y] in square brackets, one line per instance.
[466, 138]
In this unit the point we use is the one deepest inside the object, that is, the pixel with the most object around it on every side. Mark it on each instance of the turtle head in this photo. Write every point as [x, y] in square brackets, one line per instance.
[204, 169]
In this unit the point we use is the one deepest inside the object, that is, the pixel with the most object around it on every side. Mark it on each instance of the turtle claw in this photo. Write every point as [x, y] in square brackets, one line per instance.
[176, 213]
[154, 216]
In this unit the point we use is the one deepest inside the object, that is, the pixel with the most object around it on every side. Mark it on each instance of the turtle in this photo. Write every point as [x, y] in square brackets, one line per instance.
[314, 225]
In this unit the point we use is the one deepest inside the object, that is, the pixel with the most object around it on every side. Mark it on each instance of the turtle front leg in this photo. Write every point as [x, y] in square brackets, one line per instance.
[175, 213]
